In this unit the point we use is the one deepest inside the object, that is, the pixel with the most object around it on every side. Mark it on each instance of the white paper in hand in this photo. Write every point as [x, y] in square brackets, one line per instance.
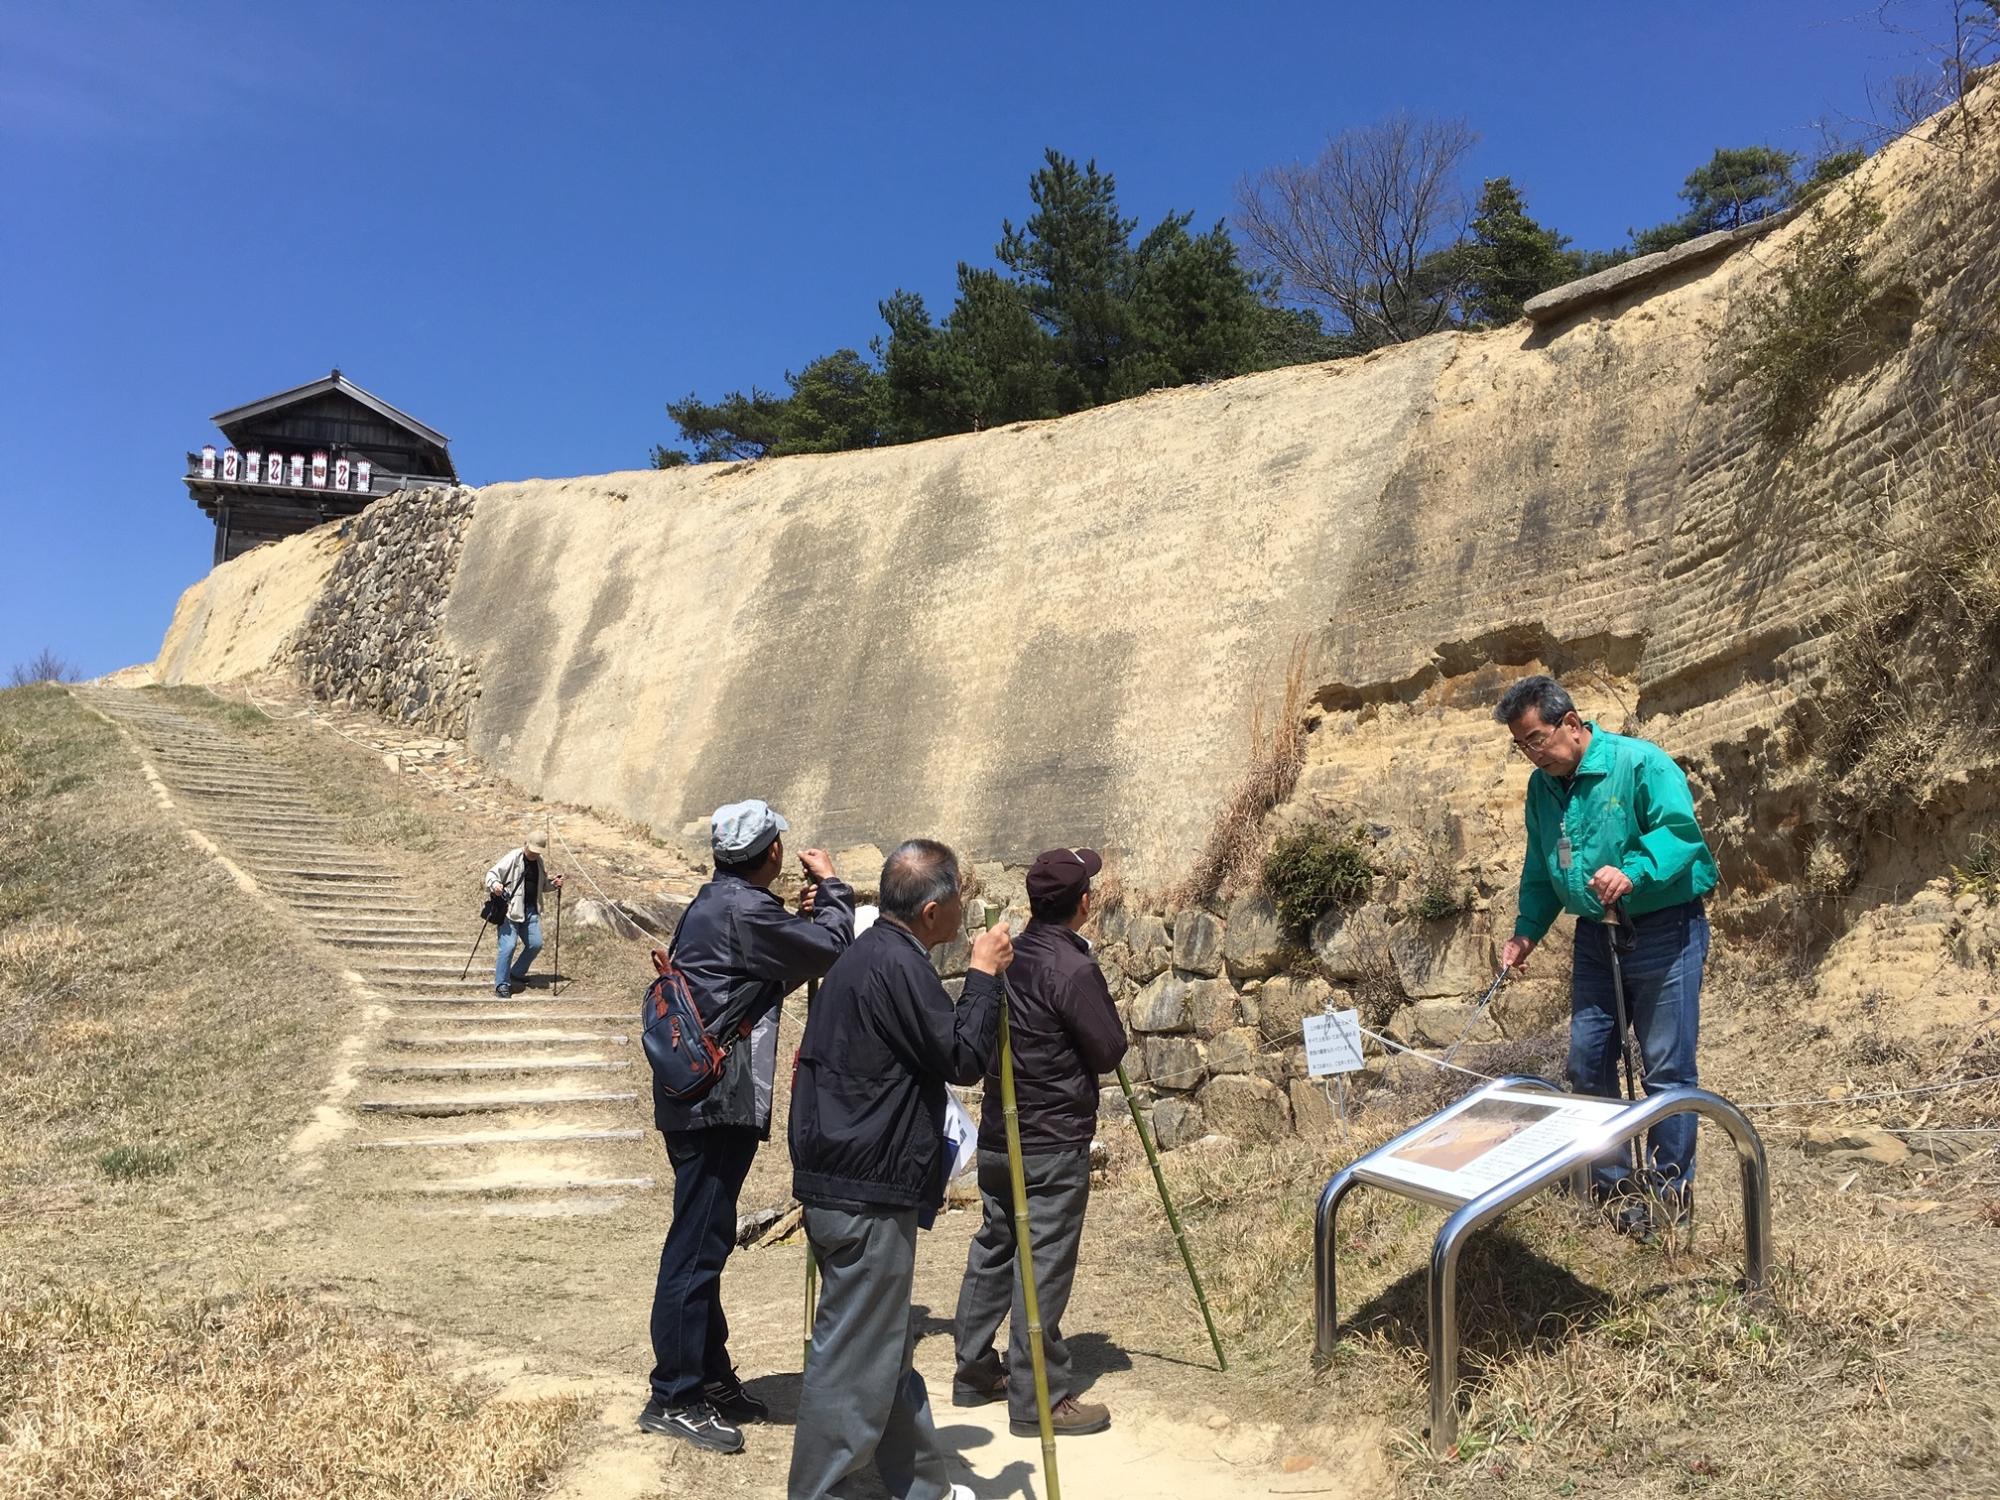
[1333, 1043]
[961, 1135]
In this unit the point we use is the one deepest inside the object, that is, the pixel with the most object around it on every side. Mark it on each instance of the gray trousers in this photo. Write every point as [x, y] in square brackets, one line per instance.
[862, 1400]
[1058, 1193]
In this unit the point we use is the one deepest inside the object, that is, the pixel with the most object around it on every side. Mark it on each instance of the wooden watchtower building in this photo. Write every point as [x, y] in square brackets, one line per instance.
[307, 455]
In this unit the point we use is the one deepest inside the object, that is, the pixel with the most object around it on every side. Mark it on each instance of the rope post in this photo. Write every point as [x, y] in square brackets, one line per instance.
[1024, 1246]
[1173, 1219]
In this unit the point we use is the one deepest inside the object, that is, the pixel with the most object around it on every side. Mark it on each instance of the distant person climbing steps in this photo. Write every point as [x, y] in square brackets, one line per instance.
[518, 878]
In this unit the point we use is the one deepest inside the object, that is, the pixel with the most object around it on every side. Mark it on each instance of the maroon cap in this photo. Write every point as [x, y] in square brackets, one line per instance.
[1057, 873]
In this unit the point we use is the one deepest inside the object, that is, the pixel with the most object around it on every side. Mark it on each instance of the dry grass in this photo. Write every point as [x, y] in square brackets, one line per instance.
[1865, 1368]
[1277, 754]
[153, 1019]
[42, 958]
[263, 1398]
[1911, 679]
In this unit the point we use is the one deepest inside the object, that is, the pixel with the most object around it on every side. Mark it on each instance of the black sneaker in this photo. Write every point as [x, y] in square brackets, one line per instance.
[699, 1424]
[1631, 1216]
[734, 1403]
[979, 1383]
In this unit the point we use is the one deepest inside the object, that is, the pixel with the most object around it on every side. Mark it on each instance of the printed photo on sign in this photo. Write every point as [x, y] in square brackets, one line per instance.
[1490, 1138]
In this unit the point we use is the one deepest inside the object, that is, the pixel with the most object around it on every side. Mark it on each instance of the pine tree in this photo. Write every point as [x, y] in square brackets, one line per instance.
[1512, 258]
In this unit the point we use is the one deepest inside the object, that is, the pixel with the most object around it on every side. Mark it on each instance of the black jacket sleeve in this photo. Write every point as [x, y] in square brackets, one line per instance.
[784, 948]
[941, 1040]
[1090, 1016]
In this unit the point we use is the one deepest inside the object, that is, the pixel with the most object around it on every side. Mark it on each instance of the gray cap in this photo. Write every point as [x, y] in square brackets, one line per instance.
[741, 831]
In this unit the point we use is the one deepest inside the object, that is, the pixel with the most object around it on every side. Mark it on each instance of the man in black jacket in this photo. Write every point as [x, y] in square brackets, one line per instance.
[742, 953]
[1066, 1034]
[869, 1164]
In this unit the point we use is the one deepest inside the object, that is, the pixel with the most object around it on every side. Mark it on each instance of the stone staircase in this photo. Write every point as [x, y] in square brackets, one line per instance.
[525, 1106]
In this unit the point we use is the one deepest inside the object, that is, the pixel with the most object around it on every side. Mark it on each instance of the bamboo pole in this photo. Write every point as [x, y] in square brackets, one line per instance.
[1024, 1246]
[1173, 1219]
[812, 1263]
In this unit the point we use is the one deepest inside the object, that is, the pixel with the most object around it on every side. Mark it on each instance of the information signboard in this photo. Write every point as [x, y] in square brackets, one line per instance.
[1486, 1139]
[1333, 1043]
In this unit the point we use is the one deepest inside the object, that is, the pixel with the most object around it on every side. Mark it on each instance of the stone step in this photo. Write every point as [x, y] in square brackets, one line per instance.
[494, 1067]
[389, 935]
[537, 997]
[292, 791]
[221, 768]
[417, 970]
[301, 874]
[502, 1184]
[294, 860]
[258, 795]
[581, 1206]
[497, 1103]
[543, 1036]
[538, 1136]
[443, 1016]
[447, 960]
[370, 917]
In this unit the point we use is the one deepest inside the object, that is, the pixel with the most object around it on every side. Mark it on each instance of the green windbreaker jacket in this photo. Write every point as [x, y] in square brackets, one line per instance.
[1627, 805]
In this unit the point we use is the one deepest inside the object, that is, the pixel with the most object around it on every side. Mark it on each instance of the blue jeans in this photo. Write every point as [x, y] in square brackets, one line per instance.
[527, 934]
[1663, 1001]
[690, 1334]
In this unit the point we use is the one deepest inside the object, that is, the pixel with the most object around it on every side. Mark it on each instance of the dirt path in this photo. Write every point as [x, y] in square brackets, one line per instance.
[485, 1171]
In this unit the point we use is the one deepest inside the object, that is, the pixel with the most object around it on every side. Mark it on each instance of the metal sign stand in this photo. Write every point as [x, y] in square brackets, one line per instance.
[1468, 1213]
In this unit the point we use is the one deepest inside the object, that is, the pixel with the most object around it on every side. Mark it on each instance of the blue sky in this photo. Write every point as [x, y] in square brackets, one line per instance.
[531, 225]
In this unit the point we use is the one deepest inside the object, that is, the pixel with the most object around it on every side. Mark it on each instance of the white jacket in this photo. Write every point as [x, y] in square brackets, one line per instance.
[507, 873]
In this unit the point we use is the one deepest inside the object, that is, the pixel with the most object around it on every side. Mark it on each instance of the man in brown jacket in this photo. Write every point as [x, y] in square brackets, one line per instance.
[1066, 1034]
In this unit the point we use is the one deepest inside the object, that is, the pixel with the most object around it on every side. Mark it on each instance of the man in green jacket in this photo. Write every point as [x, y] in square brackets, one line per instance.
[1610, 826]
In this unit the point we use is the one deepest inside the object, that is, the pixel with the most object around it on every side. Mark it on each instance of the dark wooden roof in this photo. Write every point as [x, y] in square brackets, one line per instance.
[335, 382]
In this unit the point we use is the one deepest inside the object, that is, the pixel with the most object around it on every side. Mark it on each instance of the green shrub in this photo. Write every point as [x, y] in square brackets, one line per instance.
[123, 1163]
[1817, 318]
[1307, 872]
[1980, 874]
[1439, 899]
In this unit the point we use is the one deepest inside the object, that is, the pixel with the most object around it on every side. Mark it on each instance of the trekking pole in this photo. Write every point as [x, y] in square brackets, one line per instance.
[812, 1263]
[1024, 1245]
[555, 964]
[1173, 1219]
[477, 938]
[1613, 931]
[1478, 1011]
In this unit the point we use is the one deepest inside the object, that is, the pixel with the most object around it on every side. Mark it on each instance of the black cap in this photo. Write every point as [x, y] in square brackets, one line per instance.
[1057, 873]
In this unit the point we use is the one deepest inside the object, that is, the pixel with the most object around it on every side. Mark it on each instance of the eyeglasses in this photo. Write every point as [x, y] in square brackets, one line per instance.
[1534, 744]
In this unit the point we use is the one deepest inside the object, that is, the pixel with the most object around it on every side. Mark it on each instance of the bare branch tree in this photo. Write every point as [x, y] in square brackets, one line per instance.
[1961, 39]
[46, 667]
[1363, 231]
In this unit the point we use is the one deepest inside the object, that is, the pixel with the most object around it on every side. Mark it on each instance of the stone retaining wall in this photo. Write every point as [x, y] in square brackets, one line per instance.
[1214, 1001]
[375, 635]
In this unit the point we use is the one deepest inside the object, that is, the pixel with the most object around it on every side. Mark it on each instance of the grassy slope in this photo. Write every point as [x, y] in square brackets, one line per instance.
[162, 1034]
[1595, 1365]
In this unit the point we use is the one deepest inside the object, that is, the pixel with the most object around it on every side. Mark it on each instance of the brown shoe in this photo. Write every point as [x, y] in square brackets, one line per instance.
[1069, 1417]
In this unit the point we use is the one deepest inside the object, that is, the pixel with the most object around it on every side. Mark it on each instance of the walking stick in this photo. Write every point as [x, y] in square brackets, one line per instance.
[477, 938]
[1612, 934]
[1024, 1245]
[812, 1263]
[1173, 1219]
[1477, 1011]
[555, 964]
